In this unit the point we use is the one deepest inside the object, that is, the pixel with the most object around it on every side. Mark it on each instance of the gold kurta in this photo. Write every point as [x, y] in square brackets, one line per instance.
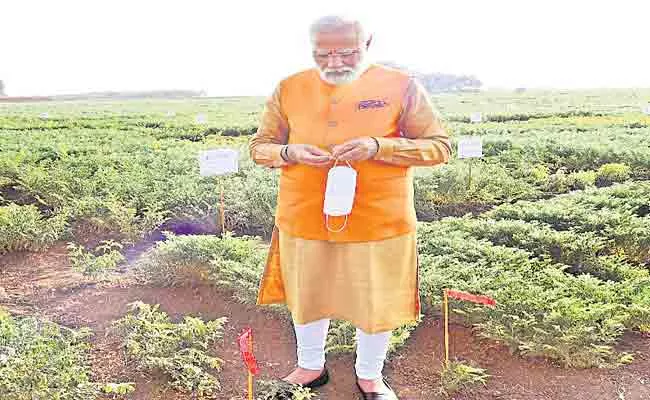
[373, 285]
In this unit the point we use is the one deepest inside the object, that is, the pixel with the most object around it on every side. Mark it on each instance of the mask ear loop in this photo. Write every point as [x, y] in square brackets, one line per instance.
[336, 161]
[327, 217]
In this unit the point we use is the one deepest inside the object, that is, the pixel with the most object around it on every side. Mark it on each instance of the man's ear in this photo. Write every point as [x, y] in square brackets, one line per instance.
[368, 42]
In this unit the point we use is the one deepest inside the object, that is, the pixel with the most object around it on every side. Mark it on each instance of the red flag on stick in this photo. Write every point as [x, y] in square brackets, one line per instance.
[474, 298]
[245, 341]
[457, 294]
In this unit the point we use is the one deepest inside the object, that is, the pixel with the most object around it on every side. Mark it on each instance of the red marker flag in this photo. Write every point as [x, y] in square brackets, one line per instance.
[245, 341]
[474, 298]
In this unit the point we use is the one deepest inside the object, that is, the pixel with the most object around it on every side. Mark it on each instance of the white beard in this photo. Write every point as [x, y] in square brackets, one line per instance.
[344, 75]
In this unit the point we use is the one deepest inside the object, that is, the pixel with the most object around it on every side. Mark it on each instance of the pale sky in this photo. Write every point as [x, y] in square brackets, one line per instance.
[239, 47]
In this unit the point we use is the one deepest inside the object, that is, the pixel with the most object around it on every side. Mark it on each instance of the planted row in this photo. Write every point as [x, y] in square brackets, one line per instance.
[541, 310]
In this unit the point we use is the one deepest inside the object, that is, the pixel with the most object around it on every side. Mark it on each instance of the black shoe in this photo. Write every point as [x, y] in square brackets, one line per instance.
[320, 381]
[378, 396]
[284, 391]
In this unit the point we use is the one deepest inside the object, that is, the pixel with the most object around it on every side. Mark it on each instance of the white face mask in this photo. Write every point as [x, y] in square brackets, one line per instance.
[339, 193]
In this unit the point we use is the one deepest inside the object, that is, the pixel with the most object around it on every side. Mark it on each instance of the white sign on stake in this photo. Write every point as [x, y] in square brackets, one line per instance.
[218, 162]
[201, 119]
[470, 147]
[44, 115]
[476, 117]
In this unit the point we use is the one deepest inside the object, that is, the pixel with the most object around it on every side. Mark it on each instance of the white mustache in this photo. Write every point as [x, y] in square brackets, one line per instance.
[338, 70]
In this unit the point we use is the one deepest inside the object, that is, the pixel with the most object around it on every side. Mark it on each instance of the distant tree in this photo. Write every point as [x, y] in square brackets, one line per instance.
[438, 82]
[2, 88]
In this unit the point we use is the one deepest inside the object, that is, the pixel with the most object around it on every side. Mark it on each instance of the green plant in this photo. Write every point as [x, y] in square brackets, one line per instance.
[239, 267]
[108, 258]
[117, 389]
[277, 390]
[541, 310]
[126, 221]
[228, 261]
[616, 218]
[584, 179]
[562, 182]
[539, 173]
[459, 375]
[42, 360]
[24, 228]
[612, 173]
[583, 253]
[179, 259]
[446, 190]
[179, 350]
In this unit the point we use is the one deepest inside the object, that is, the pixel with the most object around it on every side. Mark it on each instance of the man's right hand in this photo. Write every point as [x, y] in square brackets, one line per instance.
[309, 155]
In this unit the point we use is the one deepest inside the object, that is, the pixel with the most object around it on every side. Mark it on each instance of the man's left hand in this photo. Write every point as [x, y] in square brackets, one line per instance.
[359, 149]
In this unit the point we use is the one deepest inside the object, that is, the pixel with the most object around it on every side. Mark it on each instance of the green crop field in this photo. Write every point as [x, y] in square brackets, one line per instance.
[554, 224]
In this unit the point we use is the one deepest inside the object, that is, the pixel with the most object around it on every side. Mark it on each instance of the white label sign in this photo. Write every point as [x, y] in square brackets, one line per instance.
[476, 117]
[44, 115]
[201, 119]
[171, 114]
[646, 109]
[469, 147]
[218, 162]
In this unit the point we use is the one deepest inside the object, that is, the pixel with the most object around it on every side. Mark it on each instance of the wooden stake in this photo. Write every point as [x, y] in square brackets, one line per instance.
[223, 215]
[445, 302]
[250, 375]
[469, 179]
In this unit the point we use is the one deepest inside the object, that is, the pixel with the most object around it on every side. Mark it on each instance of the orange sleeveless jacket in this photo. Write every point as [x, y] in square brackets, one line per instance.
[324, 115]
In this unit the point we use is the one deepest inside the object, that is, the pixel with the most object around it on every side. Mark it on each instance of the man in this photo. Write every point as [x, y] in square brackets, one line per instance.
[362, 267]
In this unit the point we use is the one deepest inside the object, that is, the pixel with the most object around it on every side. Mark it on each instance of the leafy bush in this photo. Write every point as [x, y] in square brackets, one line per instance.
[584, 179]
[108, 258]
[459, 375]
[446, 190]
[42, 360]
[632, 197]
[539, 173]
[614, 217]
[562, 182]
[250, 198]
[611, 173]
[231, 262]
[581, 252]
[540, 310]
[114, 216]
[278, 390]
[178, 258]
[25, 228]
[176, 349]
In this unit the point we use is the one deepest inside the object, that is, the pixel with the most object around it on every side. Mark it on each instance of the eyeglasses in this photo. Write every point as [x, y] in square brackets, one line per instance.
[324, 55]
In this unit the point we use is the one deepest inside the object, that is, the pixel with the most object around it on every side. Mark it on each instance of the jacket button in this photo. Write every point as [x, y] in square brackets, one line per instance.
[332, 124]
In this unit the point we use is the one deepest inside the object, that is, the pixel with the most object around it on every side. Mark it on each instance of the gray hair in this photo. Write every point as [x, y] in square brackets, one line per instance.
[333, 23]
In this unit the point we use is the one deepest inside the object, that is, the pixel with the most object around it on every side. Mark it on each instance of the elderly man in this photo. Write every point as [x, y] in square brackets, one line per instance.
[362, 267]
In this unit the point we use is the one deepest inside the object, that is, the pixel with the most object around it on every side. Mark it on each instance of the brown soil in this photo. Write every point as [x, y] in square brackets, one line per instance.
[41, 283]
[13, 194]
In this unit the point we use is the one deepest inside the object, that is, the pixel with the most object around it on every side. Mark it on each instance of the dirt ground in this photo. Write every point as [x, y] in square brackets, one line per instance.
[43, 284]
